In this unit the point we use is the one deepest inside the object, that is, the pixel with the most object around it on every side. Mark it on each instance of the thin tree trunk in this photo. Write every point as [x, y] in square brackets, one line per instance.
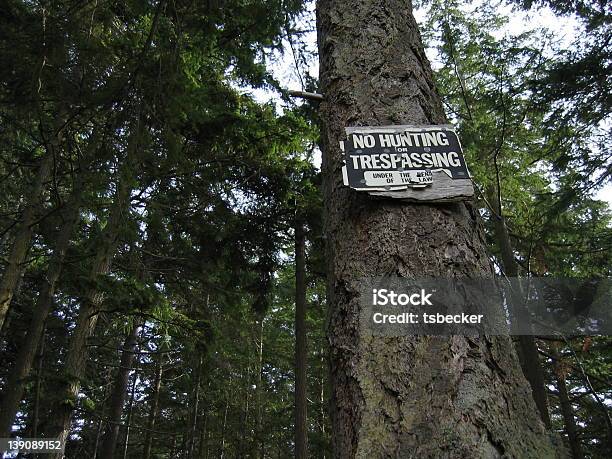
[103, 415]
[322, 420]
[223, 430]
[173, 449]
[76, 355]
[196, 403]
[258, 423]
[244, 445]
[566, 407]
[154, 408]
[36, 410]
[15, 385]
[257, 443]
[98, 436]
[529, 358]
[203, 445]
[118, 394]
[128, 422]
[301, 357]
[416, 396]
[528, 354]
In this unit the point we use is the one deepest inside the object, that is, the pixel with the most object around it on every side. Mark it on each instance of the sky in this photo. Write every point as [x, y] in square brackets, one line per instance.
[284, 69]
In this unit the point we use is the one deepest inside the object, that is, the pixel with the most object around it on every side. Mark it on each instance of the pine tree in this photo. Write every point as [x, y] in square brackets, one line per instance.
[405, 395]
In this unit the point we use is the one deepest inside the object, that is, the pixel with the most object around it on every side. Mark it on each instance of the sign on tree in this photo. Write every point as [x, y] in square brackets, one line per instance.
[423, 163]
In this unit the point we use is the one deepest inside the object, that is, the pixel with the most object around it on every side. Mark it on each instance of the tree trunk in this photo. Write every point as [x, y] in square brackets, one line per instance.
[203, 445]
[154, 408]
[244, 427]
[99, 429]
[223, 429]
[23, 236]
[528, 354]
[422, 396]
[76, 355]
[15, 386]
[529, 358]
[36, 410]
[98, 436]
[566, 408]
[194, 413]
[301, 427]
[173, 447]
[130, 408]
[258, 437]
[322, 420]
[118, 395]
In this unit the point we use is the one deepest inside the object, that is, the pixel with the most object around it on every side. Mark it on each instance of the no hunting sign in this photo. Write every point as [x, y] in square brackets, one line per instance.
[408, 162]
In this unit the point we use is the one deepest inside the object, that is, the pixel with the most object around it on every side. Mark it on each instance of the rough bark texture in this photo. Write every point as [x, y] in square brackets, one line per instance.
[527, 348]
[415, 396]
[301, 426]
[118, 395]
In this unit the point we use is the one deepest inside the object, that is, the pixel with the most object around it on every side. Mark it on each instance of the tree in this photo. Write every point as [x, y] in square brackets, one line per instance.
[301, 427]
[407, 395]
[119, 393]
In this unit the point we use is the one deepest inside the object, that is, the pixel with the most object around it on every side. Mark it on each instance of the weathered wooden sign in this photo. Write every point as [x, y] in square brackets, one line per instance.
[418, 163]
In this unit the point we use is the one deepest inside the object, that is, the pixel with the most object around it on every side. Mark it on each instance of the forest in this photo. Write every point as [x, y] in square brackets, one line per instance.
[180, 262]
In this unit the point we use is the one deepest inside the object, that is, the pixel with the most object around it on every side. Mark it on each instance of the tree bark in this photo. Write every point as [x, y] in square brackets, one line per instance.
[301, 426]
[528, 354]
[118, 394]
[422, 396]
[566, 408]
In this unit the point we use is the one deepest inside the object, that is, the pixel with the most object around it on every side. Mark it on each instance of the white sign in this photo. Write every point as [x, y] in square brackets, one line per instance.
[397, 178]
